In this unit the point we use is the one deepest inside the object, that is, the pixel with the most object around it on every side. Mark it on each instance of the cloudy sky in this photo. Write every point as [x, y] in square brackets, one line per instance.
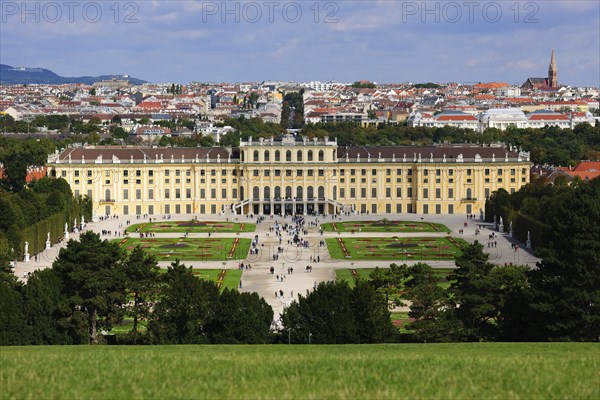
[303, 40]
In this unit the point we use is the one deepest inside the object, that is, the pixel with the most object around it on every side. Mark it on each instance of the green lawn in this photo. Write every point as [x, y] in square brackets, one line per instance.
[379, 226]
[191, 249]
[397, 249]
[345, 274]
[398, 371]
[399, 316]
[192, 227]
[126, 326]
[231, 280]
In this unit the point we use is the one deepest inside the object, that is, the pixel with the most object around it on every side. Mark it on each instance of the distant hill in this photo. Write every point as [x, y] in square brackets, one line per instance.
[21, 75]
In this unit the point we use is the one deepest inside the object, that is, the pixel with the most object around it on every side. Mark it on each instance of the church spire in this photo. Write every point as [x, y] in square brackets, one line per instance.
[552, 72]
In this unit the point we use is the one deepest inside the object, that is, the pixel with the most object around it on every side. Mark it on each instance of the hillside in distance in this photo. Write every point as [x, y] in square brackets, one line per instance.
[22, 75]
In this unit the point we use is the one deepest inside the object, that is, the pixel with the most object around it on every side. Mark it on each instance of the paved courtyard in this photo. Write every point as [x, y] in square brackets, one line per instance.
[259, 279]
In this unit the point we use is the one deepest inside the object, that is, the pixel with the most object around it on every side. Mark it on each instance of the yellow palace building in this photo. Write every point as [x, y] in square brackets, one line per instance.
[292, 175]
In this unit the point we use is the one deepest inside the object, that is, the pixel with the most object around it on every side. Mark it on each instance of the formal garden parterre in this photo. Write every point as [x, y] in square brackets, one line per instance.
[192, 226]
[191, 249]
[400, 249]
[383, 225]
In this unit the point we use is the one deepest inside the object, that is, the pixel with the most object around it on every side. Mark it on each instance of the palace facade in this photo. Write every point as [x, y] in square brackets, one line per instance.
[292, 175]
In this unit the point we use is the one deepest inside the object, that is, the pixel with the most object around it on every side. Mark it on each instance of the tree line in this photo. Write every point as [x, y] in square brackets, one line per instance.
[93, 284]
[27, 215]
[548, 145]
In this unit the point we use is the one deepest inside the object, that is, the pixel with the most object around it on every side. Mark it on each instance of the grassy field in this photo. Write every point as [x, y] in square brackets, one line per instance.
[379, 226]
[398, 249]
[442, 371]
[191, 249]
[192, 227]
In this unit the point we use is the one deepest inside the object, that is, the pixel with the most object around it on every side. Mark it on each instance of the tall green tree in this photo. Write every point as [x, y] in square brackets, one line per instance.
[93, 280]
[241, 318]
[325, 314]
[489, 300]
[185, 308]
[49, 317]
[566, 297]
[432, 318]
[498, 205]
[471, 293]
[141, 271]
[510, 296]
[13, 324]
[371, 313]
[389, 280]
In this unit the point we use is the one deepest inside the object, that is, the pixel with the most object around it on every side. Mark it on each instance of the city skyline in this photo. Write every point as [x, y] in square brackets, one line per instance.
[342, 41]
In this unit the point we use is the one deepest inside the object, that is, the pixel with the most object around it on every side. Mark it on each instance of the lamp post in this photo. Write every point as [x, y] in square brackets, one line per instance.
[289, 335]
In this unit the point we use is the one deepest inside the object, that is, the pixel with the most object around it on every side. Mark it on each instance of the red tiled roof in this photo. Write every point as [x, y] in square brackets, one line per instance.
[33, 173]
[456, 118]
[150, 104]
[491, 85]
[548, 117]
[584, 170]
[592, 166]
[579, 102]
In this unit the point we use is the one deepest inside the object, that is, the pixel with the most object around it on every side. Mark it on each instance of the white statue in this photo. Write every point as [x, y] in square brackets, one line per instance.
[26, 258]
[48, 237]
[501, 223]
[528, 235]
[66, 227]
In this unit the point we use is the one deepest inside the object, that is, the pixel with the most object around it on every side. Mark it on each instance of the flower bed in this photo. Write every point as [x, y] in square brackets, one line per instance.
[435, 248]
